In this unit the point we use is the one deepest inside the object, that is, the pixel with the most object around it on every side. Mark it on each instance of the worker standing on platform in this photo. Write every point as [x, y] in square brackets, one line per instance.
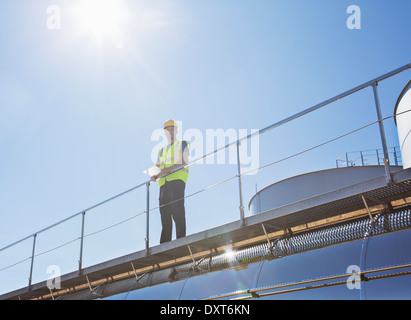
[172, 186]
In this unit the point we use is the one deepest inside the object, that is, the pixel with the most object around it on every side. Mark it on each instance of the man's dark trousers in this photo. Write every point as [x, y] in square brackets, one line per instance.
[172, 208]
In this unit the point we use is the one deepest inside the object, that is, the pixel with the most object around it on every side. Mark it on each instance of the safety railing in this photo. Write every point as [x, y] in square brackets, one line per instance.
[372, 83]
[369, 158]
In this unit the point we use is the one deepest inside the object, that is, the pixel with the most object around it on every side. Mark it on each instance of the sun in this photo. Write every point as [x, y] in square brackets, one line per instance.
[100, 19]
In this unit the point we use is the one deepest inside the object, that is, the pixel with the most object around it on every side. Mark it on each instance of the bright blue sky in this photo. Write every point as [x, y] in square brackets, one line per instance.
[77, 115]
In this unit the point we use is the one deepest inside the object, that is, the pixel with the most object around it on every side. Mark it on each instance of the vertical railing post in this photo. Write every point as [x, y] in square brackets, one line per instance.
[32, 260]
[148, 219]
[395, 156]
[240, 186]
[382, 134]
[80, 261]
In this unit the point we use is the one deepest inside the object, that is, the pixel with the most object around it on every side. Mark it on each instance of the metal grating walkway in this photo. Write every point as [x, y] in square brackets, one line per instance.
[377, 193]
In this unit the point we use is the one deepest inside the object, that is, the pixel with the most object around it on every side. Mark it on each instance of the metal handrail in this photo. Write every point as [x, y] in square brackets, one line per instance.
[373, 83]
[362, 156]
[73, 216]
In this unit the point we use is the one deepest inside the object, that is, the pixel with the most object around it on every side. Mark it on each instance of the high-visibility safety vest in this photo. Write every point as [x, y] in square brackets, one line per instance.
[169, 156]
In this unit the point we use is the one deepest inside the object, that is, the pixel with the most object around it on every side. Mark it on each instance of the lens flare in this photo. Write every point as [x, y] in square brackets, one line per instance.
[100, 19]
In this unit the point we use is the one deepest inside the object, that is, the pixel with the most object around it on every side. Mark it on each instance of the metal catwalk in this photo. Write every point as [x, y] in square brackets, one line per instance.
[328, 219]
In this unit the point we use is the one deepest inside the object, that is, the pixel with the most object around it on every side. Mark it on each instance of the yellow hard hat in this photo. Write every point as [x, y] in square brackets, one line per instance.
[169, 123]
